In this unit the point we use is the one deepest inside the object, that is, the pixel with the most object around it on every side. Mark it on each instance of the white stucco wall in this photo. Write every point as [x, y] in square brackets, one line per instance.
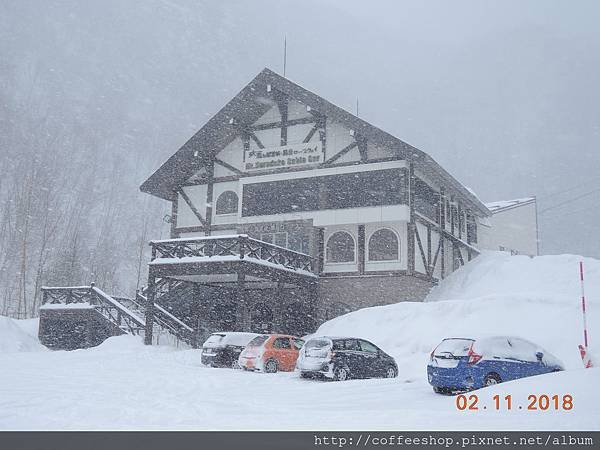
[513, 230]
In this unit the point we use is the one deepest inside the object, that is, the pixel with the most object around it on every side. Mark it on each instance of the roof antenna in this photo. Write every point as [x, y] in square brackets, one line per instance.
[284, 54]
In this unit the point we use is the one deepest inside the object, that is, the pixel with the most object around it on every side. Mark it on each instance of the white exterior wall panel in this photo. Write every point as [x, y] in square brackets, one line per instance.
[513, 230]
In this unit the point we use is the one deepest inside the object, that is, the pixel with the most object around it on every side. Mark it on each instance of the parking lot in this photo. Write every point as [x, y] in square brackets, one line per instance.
[123, 385]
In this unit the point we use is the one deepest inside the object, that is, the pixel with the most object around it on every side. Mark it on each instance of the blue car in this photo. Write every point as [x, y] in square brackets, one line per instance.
[463, 364]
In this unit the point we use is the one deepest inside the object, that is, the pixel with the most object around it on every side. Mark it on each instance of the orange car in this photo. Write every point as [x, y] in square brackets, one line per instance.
[271, 352]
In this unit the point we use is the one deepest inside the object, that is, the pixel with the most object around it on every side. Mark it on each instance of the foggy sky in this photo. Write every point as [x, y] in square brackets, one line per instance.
[503, 94]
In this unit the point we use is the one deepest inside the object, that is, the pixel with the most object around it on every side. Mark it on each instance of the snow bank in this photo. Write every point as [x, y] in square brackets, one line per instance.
[127, 344]
[552, 278]
[19, 335]
[534, 298]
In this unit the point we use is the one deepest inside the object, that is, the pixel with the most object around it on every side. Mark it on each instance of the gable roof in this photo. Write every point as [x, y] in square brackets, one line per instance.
[496, 207]
[222, 129]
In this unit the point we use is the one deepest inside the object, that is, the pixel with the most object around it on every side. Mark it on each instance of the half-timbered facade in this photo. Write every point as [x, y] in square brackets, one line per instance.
[288, 210]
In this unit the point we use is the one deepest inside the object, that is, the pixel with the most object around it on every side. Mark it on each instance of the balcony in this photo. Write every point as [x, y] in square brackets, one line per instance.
[221, 259]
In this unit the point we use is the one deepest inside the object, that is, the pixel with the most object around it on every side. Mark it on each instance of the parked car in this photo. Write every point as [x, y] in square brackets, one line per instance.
[223, 349]
[340, 358]
[271, 353]
[462, 364]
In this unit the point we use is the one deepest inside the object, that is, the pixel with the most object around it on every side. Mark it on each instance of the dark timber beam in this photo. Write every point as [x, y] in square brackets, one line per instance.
[437, 253]
[210, 172]
[361, 249]
[290, 123]
[423, 256]
[283, 105]
[311, 133]
[174, 233]
[257, 141]
[441, 232]
[228, 166]
[246, 142]
[429, 249]
[149, 311]
[320, 249]
[361, 141]
[411, 226]
[341, 153]
[192, 207]
[241, 307]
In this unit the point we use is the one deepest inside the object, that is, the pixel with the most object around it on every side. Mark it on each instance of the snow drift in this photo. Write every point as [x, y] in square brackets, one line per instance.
[19, 335]
[106, 387]
[534, 298]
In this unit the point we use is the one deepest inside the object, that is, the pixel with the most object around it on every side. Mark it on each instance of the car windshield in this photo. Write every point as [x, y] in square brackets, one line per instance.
[214, 340]
[453, 348]
[318, 343]
[258, 341]
[317, 348]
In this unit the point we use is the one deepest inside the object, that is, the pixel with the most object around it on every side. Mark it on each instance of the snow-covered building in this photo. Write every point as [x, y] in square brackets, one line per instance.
[513, 227]
[288, 210]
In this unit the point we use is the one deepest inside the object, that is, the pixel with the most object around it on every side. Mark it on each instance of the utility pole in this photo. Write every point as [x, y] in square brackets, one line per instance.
[284, 54]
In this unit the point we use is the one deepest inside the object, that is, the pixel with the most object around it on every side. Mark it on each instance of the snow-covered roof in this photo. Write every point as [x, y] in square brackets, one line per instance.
[503, 205]
[248, 106]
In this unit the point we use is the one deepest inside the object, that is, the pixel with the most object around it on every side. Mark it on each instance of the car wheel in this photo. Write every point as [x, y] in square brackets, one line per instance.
[391, 372]
[305, 375]
[492, 379]
[271, 366]
[341, 374]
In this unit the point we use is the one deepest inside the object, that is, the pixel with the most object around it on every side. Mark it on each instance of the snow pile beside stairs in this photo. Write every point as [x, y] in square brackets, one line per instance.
[19, 335]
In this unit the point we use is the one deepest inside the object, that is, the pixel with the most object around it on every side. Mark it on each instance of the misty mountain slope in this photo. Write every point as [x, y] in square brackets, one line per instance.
[94, 96]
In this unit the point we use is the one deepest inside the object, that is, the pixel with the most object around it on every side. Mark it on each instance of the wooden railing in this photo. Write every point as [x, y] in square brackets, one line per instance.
[166, 321]
[237, 246]
[110, 308]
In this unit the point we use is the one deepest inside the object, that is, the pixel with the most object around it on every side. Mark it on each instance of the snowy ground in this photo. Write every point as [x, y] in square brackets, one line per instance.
[124, 385]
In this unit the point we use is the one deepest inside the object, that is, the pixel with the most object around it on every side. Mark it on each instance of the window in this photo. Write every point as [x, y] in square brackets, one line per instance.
[383, 246]
[426, 200]
[298, 343]
[471, 229]
[350, 190]
[257, 341]
[340, 248]
[282, 343]
[368, 347]
[227, 203]
[348, 344]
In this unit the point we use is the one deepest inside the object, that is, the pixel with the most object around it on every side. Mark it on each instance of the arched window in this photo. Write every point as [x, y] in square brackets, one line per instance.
[227, 203]
[383, 246]
[340, 248]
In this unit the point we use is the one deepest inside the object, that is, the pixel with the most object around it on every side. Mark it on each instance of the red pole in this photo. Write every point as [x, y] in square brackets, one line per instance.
[585, 335]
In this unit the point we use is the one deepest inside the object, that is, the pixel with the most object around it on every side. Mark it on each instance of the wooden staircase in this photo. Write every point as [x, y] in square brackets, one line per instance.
[88, 306]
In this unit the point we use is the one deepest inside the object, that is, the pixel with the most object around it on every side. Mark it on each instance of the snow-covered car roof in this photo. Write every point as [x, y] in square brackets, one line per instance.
[225, 338]
[335, 338]
[517, 346]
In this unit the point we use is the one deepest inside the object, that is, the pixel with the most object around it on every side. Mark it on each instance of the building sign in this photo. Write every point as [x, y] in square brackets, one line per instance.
[292, 155]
